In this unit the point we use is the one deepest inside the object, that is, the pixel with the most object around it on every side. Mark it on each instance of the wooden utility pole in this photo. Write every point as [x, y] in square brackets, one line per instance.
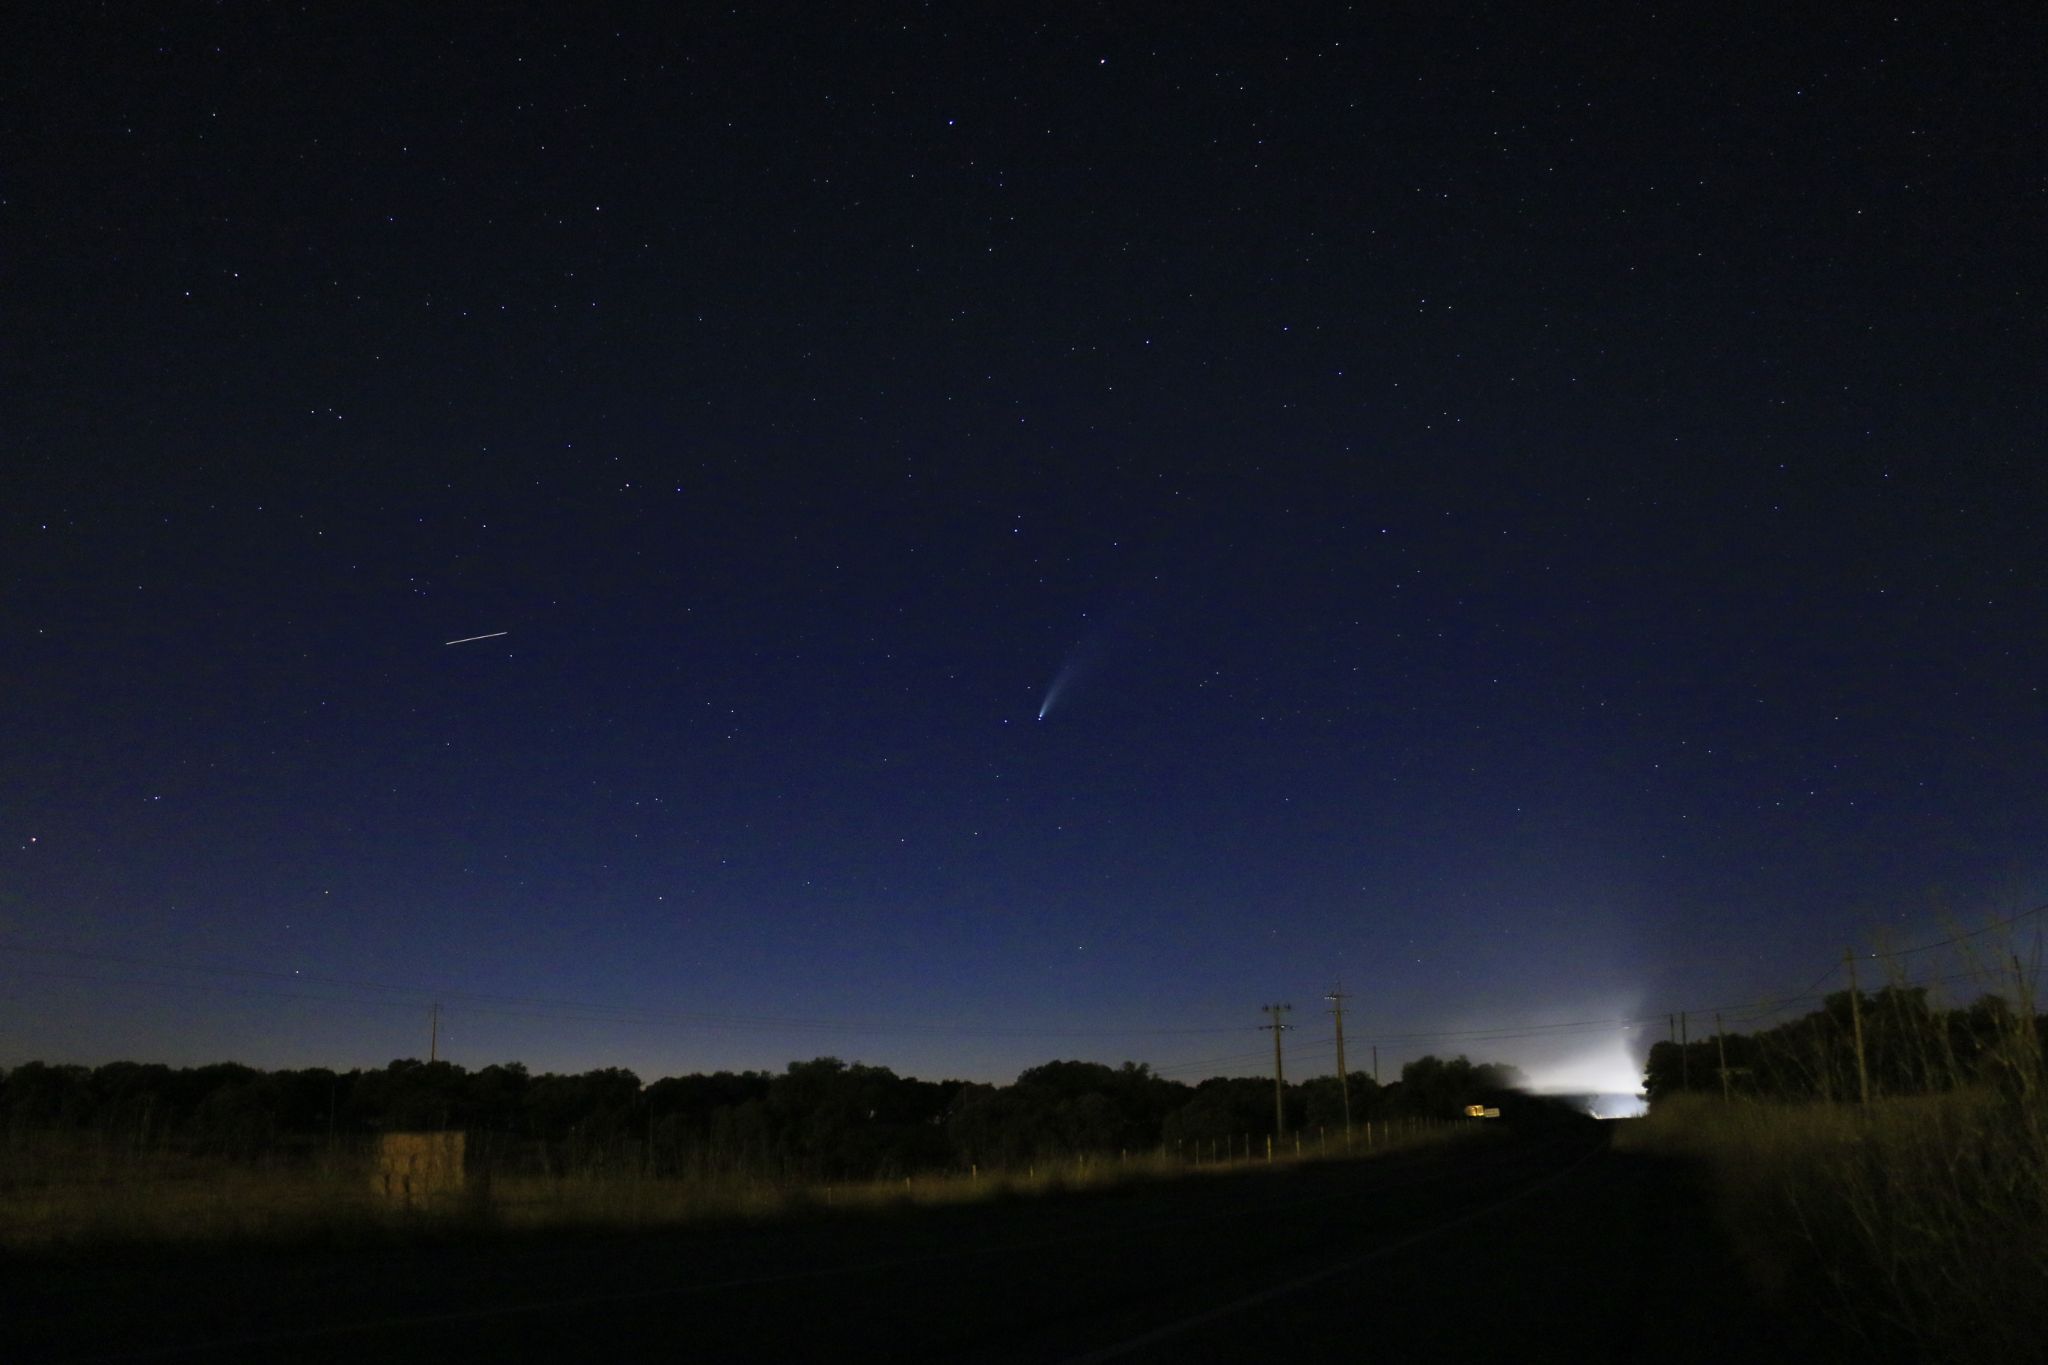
[2025, 990]
[1684, 1055]
[434, 1033]
[1375, 1063]
[1856, 1020]
[1279, 1077]
[1336, 999]
[1721, 1050]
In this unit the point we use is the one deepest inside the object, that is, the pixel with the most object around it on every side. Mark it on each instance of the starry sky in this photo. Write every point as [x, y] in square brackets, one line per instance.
[1007, 533]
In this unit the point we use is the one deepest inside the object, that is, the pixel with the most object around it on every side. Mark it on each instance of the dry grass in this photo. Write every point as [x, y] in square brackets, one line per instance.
[57, 1194]
[630, 1200]
[1926, 1215]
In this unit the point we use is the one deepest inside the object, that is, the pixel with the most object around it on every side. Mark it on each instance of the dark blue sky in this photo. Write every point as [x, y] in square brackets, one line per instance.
[1539, 523]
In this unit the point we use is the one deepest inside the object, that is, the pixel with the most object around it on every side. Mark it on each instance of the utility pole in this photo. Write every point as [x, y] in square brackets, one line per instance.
[1684, 1055]
[1336, 999]
[1279, 1077]
[1721, 1050]
[434, 1033]
[1856, 1019]
[1375, 1063]
[2025, 990]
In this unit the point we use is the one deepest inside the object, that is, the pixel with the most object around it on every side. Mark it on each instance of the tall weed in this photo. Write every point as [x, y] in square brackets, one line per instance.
[1926, 1215]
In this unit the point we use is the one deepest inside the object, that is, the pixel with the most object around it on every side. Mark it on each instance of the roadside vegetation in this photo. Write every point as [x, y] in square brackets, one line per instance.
[135, 1154]
[1921, 1217]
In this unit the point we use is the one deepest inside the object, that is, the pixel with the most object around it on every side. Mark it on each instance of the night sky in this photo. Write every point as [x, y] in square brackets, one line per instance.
[1007, 534]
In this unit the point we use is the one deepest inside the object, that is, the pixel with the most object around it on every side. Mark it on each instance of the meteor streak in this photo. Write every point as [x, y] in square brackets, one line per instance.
[467, 638]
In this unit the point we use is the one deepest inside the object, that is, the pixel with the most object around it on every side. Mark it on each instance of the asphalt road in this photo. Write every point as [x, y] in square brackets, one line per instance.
[1539, 1245]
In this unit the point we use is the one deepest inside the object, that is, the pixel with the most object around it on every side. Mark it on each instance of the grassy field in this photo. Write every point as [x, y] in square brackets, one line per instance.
[69, 1192]
[1526, 1241]
[1924, 1218]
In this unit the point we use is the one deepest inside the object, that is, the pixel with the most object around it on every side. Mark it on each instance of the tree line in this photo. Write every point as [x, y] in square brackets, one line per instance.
[823, 1119]
[1909, 1048]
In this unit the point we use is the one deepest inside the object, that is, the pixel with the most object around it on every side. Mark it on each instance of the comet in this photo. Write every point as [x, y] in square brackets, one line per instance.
[468, 638]
[1059, 685]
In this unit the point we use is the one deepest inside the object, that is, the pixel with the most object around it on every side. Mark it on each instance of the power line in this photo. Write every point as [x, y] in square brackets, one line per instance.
[542, 1007]
[1315, 1046]
[246, 992]
[1993, 927]
[589, 1011]
[1233, 1059]
[584, 1012]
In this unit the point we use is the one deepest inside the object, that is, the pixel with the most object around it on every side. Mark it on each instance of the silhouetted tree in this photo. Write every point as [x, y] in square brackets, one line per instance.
[1322, 1103]
[1909, 1048]
[1432, 1087]
[1221, 1109]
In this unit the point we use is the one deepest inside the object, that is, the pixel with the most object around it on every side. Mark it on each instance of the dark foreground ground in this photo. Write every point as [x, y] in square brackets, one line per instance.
[1541, 1245]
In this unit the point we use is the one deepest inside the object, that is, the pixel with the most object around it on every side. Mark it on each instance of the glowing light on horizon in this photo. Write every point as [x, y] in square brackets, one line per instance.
[1607, 1069]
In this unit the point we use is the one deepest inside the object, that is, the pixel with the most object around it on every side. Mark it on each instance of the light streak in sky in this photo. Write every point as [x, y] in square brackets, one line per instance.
[1052, 694]
[467, 638]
